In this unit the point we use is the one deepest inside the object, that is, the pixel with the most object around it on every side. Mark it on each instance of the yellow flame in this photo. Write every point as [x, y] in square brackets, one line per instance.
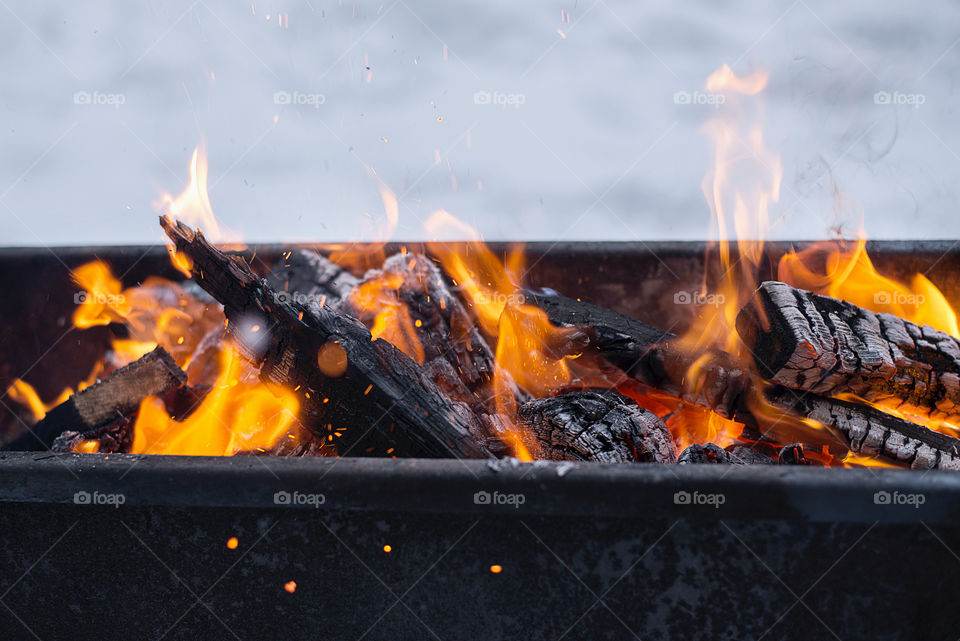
[193, 207]
[233, 417]
[845, 271]
[493, 290]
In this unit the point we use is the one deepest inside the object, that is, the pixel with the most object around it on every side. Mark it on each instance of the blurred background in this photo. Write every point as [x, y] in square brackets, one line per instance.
[571, 120]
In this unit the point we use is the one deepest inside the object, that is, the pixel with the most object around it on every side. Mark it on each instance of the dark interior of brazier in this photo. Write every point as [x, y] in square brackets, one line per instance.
[443, 350]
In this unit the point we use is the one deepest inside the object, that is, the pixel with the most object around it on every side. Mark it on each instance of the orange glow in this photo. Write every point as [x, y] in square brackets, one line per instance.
[332, 359]
[193, 207]
[392, 321]
[23, 393]
[102, 301]
[526, 342]
[233, 417]
[290, 586]
[496, 569]
[388, 549]
[87, 447]
[232, 543]
[844, 270]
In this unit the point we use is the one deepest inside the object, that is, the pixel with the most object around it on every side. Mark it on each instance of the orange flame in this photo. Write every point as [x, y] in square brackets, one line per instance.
[392, 320]
[193, 207]
[233, 417]
[840, 270]
[524, 334]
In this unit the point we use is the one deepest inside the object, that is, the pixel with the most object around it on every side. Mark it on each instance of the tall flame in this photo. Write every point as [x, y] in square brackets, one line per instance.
[525, 338]
[193, 207]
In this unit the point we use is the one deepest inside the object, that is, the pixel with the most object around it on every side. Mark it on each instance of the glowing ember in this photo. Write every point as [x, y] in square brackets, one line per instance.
[232, 543]
[290, 586]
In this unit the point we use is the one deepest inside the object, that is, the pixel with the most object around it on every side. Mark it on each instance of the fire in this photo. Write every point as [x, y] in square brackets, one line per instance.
[525, 338]
[193, 206]
[234, 416]
[741, 186]
[23, 393]
[238, 413]
[844, 270]
[392, 320]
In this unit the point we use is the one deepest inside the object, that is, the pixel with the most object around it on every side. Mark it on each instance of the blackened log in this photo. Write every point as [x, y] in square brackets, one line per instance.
[829, 347]
[308, 278]
[751, 456]
[117, 395]
[367, 390]
[708, 453]
[792, 455]
[602, 427]
[651, 355]
[872, 432]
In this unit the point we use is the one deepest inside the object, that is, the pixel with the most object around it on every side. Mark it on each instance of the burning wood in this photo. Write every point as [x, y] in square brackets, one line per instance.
[872, 432]
[832, 347]
[102, 408]
[651, 355]
[601, 427]
[348, 380]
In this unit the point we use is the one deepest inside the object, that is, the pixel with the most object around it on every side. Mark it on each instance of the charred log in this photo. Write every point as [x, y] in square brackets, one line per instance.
[751, 456]
[118, 395]
[872, 432]
[369, 391]
[601, 427]
[651, 355]
[115, 437]
[444, 338]
[708, 453]
[830, 347]
[792, 455]
[308, 278]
